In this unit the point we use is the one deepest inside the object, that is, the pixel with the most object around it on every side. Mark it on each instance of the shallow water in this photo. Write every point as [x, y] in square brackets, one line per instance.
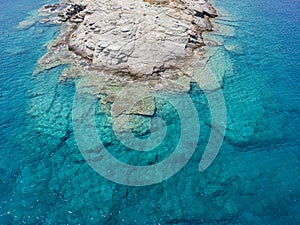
[253, 180]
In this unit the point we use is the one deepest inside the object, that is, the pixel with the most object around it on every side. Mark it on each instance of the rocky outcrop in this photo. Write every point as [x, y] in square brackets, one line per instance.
[72, 13]
[154, 42]
[139, 40]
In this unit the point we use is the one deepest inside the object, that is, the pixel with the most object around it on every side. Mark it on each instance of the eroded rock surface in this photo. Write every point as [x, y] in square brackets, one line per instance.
[153, 42]
[132, 40]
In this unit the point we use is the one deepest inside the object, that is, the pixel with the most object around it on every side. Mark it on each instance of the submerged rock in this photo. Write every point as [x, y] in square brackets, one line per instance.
[152, 42]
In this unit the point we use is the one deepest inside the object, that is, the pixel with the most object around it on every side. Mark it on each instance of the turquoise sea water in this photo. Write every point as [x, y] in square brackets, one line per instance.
[254, 179]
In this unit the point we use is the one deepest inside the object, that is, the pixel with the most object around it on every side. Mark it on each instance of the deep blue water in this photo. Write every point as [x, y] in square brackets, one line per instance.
[254, 179]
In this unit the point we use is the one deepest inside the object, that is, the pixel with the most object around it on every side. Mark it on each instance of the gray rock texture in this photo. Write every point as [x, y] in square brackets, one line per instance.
[153, 41]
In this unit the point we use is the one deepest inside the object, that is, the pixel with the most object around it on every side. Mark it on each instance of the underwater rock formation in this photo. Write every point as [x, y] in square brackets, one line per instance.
[156, 43]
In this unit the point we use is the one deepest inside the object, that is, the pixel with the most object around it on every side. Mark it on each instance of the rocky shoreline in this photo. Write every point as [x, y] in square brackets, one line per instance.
[156, 43]
[138, 40]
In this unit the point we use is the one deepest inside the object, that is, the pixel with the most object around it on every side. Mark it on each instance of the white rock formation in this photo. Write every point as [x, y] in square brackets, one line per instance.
[152, 42]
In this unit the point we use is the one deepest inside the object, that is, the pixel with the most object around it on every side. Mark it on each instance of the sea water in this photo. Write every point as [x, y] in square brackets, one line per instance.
[253, 180]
